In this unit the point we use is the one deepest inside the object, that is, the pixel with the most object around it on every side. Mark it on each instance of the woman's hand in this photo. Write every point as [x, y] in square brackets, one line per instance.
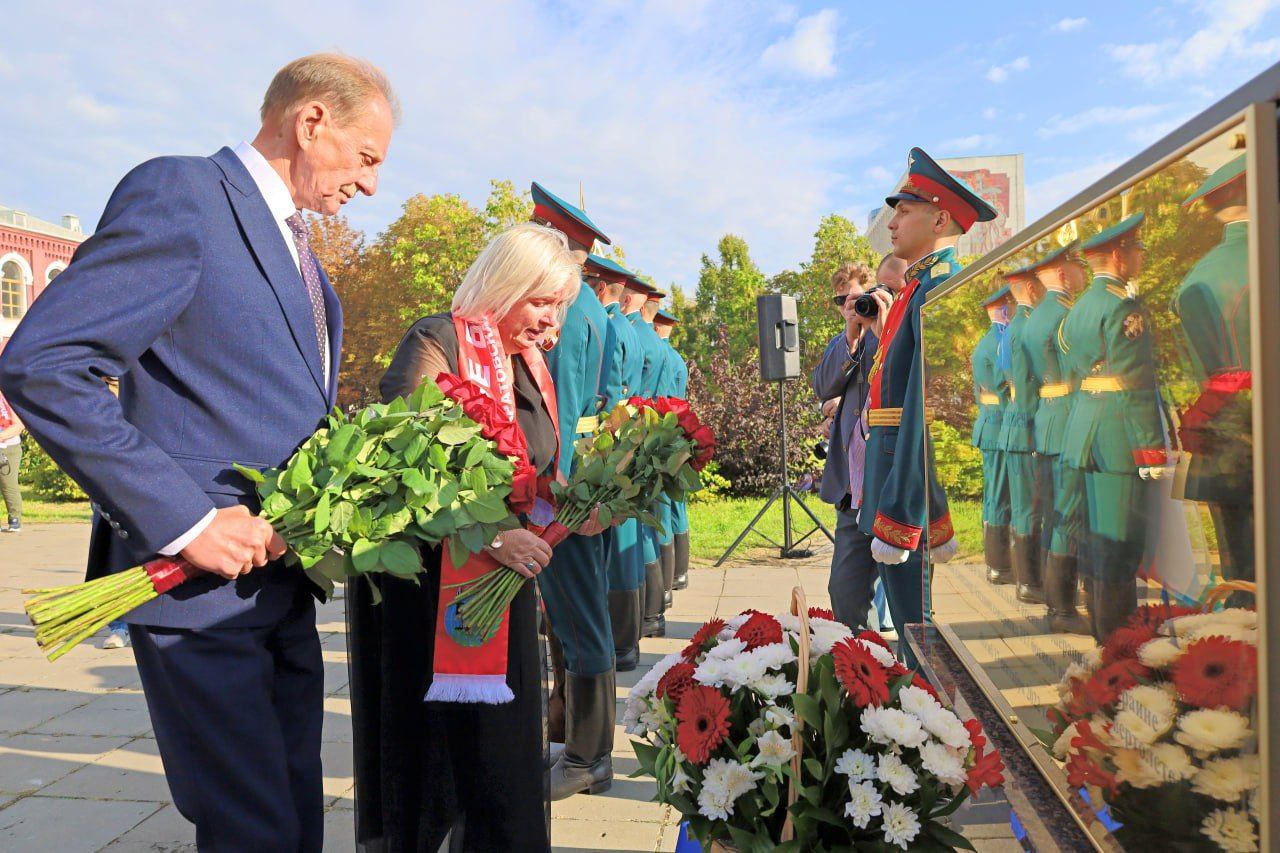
[592, 526]
[522, 552]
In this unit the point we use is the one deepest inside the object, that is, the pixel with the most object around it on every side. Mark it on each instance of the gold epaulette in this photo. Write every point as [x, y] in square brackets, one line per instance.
[1054, 390]
[1066, 301]
[1117, 291]
[893, 417]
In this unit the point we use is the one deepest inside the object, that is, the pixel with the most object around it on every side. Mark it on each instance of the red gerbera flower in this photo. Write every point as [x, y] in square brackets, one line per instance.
[822, 613]
[708, 632]
[676, 682]
[1108, 683]
[1155, 615]
[1216, 671]
[702, 719]
[874, 637]
[866, 681]
[987, 770]
[1125, 641]
[976, 738]
[760, 630]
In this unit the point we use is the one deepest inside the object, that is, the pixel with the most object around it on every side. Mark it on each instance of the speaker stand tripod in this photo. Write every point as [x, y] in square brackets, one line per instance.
[788, 548]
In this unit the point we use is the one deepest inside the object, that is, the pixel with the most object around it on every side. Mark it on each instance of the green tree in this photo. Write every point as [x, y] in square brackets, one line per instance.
[726, 299]
[506, 206]
[836, 242]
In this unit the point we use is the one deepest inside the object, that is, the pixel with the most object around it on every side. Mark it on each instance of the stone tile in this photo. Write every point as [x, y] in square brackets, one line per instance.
[615, 803]
[21, 709]
[132, 772]
[339, 831]
[112, 714]
[601, 835]
[338, 767]
[165, 831]
[337, 719]
[43, 823]
[29, 762]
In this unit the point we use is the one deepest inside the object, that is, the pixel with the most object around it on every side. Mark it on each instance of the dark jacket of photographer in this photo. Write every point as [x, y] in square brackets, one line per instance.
[842, 375]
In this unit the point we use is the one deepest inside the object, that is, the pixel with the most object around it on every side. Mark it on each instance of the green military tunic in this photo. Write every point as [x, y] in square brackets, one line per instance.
[653, 377]
[1017, 430]
[989, 392]
[679, 387]
[626, 556]
[1040, 338]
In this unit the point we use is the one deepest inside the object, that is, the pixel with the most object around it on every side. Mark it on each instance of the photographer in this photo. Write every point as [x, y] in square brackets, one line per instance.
[840, 381]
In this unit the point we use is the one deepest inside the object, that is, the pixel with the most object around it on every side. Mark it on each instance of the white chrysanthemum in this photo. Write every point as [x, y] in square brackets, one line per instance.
[901, 825]
[736, 778]
[1160, 652]
[1232, 830]
[714, 803]
[1091, 659]
[857, 765]
[772, 686]
[1133, 768]
[733, 624]
[827, 634]
[710, 672]
[728, 649]
[1227, 778]
[1208, 730]
[1228, 630]
[916, 701]
[945, 726]
[1146, 712]
[943, 763]
[892, 726]
[775, 750]
[1062, 746]
[1183, 625]
[1171, 761]
[789, 622]
[649, 681]
[741, 671]
[779, 717]
[631, 714]
[894, 772]
[883, 656]
[774, 655]
[864, 803]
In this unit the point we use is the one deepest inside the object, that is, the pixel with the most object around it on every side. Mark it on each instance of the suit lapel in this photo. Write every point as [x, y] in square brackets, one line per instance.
[268, 247]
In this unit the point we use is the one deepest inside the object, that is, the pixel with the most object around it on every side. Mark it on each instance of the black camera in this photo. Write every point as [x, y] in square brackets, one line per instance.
[865, 306]
[820, 448]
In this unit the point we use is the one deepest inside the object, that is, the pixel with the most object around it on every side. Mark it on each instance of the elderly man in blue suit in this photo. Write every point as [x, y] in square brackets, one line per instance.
[201, 292]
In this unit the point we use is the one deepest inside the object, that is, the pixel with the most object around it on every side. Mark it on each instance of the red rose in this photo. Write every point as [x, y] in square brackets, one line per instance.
[865, 680]
[640, 402]
[679, 406]
[702, 721]
[760, 630]
[676, 682]
[1216, 671]
[524, 488]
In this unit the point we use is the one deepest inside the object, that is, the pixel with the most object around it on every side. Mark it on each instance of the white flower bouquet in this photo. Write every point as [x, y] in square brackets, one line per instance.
[792, 733]
[1158, 724]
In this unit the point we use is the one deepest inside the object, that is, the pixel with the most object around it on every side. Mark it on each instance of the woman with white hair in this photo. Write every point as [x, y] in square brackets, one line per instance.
[425, 768]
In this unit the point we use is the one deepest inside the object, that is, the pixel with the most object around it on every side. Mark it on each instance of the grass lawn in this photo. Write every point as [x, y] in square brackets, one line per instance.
[35, 509]
[713, 525]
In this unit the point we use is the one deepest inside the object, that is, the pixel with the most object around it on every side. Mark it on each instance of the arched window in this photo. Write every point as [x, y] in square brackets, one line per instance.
[53, 272]
[12, 291]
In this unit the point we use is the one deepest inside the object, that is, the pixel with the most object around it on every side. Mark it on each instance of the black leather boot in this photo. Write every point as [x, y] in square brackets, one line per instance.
[682, 561]
[996, 547]
[667, 557]
[1060, 596]
[555, 700]
[1026, 569]
[655, 623]
[586, 765]
[624, 618]
[1115, 602]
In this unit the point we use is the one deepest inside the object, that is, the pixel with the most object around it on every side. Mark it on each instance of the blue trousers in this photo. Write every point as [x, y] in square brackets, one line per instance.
[237, 715]
[624, 557]
[680, 518]
[853, 571]
[575, 590]
[904, 588]
[664, 515]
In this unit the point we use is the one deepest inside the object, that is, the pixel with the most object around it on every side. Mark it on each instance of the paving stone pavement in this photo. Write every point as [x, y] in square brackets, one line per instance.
[79, 769]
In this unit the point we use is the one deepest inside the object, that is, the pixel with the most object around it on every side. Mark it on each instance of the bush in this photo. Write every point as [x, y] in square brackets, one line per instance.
[957, 462]
[714, 486]
[44, 478]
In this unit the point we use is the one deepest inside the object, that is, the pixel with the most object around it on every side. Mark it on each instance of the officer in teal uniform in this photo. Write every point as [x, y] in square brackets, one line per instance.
[652, 380]
[662, 325]
[1063, 275]
[903, 506]
[620, 294]
[1212, 305]
[574, 585]
[1114, 432]
[991, 395]
[679, 387]
[1017, 440]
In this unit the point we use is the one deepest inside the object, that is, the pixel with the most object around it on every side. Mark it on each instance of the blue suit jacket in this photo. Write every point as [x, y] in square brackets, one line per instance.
[189, 294]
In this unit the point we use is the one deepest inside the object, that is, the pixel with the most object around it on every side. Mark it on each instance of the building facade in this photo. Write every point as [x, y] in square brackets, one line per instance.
[32, 254]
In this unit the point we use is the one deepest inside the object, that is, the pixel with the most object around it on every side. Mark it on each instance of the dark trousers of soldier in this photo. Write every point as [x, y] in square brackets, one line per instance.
[654, 589]
[1065, 539]
[575, 590]
[1118, 516]
[853, 571]
[995, 517]
[667, 548]
[1025, 520]
[904, 591]
[680, 527]
[625, 568]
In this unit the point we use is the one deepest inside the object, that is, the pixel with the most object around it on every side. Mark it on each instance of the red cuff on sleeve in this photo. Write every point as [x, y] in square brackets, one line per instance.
[1149, 458]
[905, 536]
[940, 531]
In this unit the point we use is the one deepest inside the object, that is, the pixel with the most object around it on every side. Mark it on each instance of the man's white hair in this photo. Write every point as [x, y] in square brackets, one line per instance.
[527, 261]
[343, 83]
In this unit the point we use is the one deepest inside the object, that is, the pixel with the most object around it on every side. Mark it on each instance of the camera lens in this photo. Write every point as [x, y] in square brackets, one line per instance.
[820, 449]
[865, 306]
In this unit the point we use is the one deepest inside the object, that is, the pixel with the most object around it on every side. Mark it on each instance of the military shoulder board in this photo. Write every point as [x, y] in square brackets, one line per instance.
[940, 268]
[1118, 291]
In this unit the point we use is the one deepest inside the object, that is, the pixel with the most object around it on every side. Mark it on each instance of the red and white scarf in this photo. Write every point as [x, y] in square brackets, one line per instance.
[465, 670]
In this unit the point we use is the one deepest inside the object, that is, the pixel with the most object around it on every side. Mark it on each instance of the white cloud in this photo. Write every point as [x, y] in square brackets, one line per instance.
[92, 110]
[1226, 37]
[965, 144]
[1070, 25]
[1043, 196]
[1000, 73]
[989, 113]
[784, 14]
[1059, 125]
[810, 49]
[879, 175]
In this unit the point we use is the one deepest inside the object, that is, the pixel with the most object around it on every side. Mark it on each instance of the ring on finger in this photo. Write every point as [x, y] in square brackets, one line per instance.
[533, 567]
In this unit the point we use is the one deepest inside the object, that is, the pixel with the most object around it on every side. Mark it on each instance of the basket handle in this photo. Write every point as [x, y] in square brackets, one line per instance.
[1224, 589]
[799, 609]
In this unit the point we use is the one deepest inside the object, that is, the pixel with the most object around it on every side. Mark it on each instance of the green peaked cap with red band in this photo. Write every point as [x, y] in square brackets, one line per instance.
[571, 221]
[930, 183]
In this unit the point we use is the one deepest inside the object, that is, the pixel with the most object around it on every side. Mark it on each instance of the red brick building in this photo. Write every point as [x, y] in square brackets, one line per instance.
[32, 253]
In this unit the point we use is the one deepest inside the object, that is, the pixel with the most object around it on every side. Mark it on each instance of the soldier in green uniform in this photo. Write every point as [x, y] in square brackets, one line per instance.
[679, 387]
[1114, 431]
[931, 212]
[574, 585]
[1017, 440]
[663, 323]
[652, 379]
[1212, 305]
[1063, 275]
[620, 294]
[990, 393]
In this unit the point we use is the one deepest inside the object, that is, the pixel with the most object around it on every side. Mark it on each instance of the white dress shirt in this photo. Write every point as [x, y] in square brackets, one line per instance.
[274, 192]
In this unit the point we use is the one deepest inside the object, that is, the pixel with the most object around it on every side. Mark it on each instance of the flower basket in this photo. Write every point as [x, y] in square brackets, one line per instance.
[790, 732]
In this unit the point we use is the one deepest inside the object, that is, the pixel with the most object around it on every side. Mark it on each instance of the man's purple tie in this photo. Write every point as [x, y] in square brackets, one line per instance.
[311, 278]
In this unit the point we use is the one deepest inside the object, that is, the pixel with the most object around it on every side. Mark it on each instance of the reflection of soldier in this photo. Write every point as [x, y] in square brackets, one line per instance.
[677, 386]
[1114, 430]
[653, 378]
[989, 392]
[1212, 303]
[1017, 440]
[1063, 275]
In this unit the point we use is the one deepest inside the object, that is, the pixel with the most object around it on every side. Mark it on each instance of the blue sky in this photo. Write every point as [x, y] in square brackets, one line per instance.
[683, 119]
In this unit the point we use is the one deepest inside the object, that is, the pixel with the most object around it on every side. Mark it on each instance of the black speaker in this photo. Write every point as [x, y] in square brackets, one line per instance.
[779, 337]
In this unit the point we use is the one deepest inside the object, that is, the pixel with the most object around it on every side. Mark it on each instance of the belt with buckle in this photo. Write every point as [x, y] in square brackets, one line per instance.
[986, 398]
[1054, 390]
[1103, 384]
[893, 417]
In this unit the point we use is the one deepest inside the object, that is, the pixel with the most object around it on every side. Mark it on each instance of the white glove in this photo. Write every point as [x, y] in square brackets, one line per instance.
[944, 552]
[1155, 472]
[883, 552]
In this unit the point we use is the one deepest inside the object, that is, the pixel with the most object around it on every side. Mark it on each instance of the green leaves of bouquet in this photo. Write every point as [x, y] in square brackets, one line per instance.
[361, 492]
